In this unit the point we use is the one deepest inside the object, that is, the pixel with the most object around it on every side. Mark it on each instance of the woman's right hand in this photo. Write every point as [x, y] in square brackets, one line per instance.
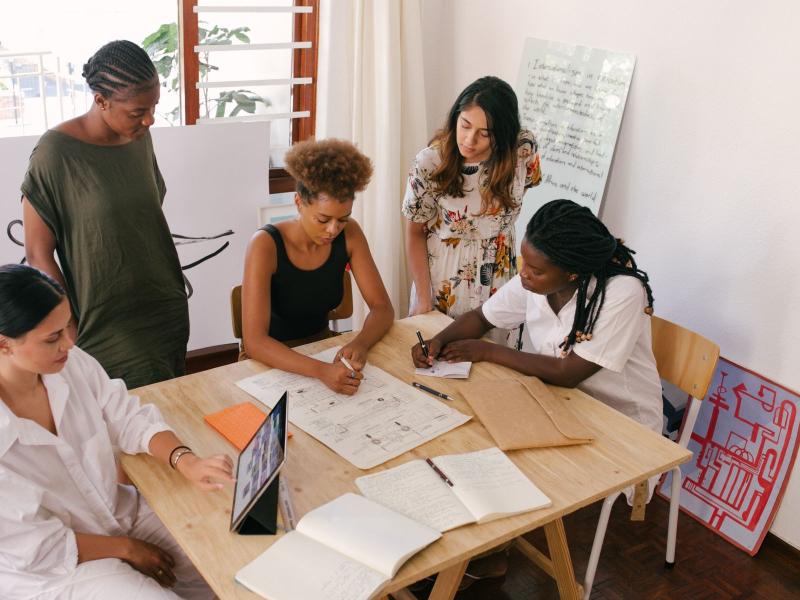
[421, 308]
[338, 378]
[150, 560]
[418, 356]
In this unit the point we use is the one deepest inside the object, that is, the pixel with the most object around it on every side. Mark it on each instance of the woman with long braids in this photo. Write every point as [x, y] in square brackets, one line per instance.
[92, 196]
[586, 305]
[464, 195]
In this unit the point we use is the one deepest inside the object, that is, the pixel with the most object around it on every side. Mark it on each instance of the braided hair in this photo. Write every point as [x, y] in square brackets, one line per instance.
[119, 68]
[578, 242]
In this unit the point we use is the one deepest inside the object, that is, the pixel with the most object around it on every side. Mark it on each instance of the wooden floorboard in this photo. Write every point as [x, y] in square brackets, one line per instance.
[632, 563]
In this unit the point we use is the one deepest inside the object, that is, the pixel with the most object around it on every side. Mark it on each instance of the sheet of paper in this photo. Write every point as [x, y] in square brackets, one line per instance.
[416, 491]
[490, 485]
[459, 370]
[383, 419]
[367, 532]
[297, 566]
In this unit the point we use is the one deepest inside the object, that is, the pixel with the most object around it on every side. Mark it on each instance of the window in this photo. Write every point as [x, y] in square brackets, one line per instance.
[43, 46]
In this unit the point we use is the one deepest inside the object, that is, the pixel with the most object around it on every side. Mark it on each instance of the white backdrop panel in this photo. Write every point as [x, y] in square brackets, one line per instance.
[217, 177]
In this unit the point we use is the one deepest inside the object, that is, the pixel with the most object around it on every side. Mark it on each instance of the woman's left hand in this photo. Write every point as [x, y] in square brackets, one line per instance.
[355, 354]
[200, 471]
[465, 351]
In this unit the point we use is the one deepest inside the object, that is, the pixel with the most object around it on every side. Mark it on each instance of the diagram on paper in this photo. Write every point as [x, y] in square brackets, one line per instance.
[744, 441]
[382, 420]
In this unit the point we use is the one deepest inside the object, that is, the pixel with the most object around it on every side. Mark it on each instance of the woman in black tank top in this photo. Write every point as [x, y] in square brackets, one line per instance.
[293, 272]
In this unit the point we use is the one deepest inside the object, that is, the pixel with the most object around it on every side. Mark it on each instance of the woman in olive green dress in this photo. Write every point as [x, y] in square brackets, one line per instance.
[92, 196]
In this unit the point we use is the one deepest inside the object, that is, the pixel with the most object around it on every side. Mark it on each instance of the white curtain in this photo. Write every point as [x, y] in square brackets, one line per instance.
[371, 91]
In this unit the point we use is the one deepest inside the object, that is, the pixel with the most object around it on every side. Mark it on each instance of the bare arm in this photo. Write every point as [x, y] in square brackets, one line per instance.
[260, 265]
[40, 248]
[459, 342]
[417, 254]
[370, 284]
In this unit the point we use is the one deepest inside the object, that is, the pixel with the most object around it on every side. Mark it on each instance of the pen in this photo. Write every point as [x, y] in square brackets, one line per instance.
[349, 366]
[438, 471]
[422, 343]
[430, 391]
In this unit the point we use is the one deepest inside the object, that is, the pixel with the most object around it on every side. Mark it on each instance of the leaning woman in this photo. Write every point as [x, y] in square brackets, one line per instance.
[294, 270]
[463, 197]
[92, 197]
[67, 528]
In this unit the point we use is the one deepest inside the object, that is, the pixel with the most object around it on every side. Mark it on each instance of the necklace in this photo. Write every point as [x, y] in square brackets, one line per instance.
[470, 170]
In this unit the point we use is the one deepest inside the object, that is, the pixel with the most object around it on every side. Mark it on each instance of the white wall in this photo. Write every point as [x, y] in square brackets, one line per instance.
[703, 183]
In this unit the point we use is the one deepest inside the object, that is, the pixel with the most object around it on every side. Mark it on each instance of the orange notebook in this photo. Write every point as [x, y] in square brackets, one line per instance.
[238, 423]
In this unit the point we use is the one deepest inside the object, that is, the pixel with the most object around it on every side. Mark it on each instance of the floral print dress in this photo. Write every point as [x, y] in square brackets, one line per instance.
[470, 255]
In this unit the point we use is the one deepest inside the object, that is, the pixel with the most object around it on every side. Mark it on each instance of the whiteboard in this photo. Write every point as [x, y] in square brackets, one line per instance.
[217, 178]
[572, 98]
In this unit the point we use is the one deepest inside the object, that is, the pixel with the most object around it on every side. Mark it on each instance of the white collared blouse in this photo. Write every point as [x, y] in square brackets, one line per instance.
[621, 342]
[53, 486]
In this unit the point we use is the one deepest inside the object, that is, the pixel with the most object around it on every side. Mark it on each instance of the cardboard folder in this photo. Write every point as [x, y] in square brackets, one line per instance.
[524, 413]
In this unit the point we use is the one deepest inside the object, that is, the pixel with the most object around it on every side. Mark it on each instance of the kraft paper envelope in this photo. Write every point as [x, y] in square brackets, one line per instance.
[524, 413]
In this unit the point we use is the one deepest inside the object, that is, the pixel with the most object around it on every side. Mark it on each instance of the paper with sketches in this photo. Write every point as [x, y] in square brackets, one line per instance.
[382, 420]
[446, 370]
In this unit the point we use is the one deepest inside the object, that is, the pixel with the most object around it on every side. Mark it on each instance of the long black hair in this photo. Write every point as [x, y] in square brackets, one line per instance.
[577, 241]
[120, 69]
[27, 296]
[499, 103]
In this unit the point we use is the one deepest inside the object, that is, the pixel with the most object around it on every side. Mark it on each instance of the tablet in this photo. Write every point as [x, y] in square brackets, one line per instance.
[260, 461]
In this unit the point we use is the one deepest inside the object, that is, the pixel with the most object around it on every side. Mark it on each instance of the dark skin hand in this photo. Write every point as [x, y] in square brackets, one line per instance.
[460, 341]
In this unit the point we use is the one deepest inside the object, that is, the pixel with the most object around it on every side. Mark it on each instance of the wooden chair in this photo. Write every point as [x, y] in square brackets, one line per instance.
[343, 311]
[688, 361]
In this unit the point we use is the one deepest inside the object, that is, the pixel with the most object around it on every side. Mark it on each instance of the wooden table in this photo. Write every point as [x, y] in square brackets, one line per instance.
[622, 454]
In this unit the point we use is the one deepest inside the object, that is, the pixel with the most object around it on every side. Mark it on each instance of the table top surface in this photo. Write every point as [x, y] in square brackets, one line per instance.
[623, 453]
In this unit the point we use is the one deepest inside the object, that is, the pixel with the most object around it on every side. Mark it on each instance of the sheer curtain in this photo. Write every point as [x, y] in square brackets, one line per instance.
[371, 91]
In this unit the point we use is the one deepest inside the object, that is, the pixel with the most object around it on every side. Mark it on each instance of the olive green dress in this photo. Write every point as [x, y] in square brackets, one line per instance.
[103, 206]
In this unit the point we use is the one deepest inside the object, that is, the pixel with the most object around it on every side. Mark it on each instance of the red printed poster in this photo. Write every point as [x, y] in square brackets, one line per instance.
[744, 443]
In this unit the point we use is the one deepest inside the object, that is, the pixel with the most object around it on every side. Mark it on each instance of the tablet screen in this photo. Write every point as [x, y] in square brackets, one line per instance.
[260, 460]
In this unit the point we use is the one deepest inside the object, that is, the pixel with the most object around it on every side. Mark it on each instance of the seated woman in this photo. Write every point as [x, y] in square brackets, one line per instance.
[67, 529]
[293, 270]
[585, 304]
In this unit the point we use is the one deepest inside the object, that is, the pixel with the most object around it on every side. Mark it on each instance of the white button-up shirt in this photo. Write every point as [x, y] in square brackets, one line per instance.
[621, 342]
[53, 486]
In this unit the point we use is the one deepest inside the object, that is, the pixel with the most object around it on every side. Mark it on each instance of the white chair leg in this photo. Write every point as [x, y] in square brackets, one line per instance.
[689, 420]
[674, 510]
[597, 546]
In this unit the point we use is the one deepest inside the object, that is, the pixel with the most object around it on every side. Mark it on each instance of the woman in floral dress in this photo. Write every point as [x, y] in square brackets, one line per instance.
[464, 195]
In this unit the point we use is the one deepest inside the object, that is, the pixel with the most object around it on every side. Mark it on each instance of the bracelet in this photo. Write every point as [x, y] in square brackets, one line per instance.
[178, 456]
[173, 452]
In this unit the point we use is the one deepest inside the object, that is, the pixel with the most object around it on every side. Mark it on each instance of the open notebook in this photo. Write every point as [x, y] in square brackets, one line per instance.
[349, 548]
[442, 368]
[486, 486]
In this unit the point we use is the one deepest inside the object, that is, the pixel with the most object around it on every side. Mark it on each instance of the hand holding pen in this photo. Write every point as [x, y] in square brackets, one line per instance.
[424, 352]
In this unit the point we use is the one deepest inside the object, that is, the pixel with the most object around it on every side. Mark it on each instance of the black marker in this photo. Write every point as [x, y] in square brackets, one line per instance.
[422, 343]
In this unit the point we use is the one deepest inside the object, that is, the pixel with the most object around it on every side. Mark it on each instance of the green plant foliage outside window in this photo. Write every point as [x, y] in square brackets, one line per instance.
[163, 48]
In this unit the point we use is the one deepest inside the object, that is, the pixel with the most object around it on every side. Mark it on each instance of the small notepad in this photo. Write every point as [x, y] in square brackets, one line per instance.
[440, 368]
[238, 423]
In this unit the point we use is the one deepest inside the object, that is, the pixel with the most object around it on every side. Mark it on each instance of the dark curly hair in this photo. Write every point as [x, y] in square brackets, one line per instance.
[332, 167]
[120, 69]
[577, 241]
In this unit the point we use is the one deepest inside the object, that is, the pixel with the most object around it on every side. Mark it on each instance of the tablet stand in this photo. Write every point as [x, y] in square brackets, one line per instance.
[262, 518]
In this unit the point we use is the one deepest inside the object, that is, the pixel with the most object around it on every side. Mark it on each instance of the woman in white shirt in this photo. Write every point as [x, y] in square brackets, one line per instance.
[585, 304]
[67, 528]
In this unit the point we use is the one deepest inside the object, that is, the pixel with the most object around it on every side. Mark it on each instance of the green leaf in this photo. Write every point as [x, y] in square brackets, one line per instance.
[221, 109]
[242, 38]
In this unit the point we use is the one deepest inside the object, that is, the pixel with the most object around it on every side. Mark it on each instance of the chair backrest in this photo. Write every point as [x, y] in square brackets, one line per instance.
[343, 311]
[685, 359]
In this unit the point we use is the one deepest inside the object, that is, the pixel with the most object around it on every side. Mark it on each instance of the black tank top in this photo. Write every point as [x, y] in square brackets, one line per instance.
[301, 299]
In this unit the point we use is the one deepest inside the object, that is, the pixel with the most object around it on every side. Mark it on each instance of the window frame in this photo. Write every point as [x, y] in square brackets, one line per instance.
[304, 64]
